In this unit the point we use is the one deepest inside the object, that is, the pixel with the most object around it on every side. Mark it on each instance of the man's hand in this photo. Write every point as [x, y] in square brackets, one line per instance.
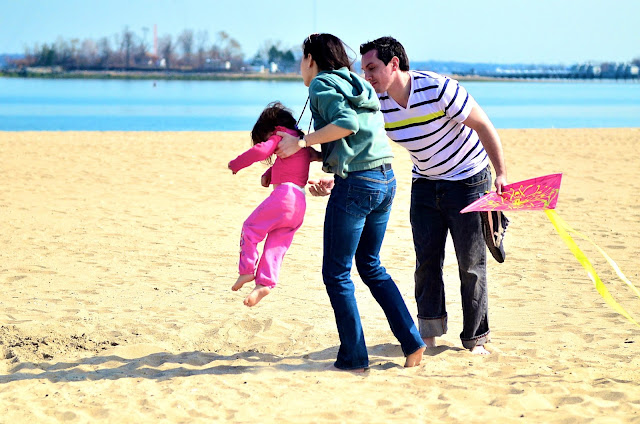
[500, 182]
[289, 145]
[321, 187]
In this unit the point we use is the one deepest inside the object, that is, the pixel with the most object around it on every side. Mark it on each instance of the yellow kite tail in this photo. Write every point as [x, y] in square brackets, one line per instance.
[563, 230]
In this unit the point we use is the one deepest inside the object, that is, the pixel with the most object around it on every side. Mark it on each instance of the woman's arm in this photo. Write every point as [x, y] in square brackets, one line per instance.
[290, 144]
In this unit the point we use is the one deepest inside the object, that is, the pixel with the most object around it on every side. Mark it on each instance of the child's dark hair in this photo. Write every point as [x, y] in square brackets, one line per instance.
[275, 114]
[328, 51]
[387, 48]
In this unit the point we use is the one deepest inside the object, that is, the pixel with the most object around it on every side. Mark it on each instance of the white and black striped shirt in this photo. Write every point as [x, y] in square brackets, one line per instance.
[431, 128]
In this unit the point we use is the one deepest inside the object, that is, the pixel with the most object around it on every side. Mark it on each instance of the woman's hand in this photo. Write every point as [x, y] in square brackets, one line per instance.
[321, 187]
[289, 145]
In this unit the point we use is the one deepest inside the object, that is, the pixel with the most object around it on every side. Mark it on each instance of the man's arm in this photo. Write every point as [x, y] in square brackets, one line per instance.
[480, 123]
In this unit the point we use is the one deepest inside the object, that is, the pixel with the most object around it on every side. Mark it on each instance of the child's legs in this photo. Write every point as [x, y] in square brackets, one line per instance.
[256, 227]
[279, 239]
[277, 244]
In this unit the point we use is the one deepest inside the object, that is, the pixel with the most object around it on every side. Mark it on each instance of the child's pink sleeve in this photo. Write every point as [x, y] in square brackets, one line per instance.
[260, 151]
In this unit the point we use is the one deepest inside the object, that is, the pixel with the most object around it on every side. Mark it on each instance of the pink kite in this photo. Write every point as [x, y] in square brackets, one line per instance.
[535, 194]
[541, 194]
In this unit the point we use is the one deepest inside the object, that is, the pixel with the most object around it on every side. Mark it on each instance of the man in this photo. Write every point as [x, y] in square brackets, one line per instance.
[451, 141]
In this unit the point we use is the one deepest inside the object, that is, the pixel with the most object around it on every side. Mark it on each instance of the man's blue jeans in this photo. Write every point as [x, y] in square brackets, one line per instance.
[354, 226]
[435, 210]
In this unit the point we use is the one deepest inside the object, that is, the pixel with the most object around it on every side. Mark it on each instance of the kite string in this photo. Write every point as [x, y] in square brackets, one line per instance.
[563, 230]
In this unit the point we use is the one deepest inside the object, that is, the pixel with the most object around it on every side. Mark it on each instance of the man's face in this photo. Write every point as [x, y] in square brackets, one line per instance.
[376, 72]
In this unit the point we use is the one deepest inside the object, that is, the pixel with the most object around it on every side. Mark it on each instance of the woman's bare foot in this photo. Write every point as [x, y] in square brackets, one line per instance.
[413, 360]
[242, 280]
[480, 350]
[256, 295]
[429, 341]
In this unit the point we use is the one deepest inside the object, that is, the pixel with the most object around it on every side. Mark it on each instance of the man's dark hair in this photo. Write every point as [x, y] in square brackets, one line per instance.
[387, 47]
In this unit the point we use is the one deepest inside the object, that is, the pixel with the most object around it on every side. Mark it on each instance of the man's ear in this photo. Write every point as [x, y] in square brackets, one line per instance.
[395, 63]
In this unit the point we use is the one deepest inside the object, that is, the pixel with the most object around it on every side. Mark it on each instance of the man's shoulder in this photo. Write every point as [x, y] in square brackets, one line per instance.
[426, 77]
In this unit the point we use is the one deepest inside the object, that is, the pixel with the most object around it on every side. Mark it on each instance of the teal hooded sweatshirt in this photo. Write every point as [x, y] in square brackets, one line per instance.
[343, 98]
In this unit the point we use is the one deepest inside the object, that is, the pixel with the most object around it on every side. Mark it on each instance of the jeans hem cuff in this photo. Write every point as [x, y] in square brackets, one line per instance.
[477, 341]
[335, 364]
[432, 327]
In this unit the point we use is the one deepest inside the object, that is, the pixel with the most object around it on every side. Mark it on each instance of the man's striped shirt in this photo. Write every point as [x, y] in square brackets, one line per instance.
[431, 128]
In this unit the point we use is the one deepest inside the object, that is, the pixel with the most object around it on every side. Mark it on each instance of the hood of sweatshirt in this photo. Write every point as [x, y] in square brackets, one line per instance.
[355, 89]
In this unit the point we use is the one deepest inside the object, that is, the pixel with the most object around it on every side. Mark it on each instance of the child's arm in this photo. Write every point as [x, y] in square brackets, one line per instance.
[265, 180]
[260, 151]
[316, 156]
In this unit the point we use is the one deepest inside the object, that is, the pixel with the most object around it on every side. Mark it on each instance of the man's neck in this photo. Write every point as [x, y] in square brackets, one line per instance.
[401, 88]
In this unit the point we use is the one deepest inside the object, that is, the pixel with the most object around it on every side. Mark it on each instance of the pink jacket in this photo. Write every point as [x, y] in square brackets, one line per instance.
[294, 169]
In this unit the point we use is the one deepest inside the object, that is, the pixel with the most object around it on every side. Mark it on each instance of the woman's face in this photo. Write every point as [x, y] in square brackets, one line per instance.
[308, 69]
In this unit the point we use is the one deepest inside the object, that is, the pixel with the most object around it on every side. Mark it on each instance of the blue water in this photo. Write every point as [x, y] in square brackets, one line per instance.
[139, 105]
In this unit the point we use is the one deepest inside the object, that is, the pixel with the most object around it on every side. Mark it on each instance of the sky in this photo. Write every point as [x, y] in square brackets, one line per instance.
[489, 31]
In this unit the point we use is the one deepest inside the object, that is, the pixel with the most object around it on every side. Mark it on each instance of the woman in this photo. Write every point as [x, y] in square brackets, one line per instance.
[350, 129]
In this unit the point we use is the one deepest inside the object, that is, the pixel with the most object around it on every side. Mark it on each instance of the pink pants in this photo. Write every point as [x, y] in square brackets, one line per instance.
[277, 218]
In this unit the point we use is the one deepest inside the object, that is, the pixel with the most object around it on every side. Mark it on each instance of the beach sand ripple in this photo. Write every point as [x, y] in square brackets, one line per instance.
[119, 250]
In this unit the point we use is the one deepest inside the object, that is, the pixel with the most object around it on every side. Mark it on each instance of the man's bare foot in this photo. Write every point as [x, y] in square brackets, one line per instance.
[413, 360]
[242, 280]
[256, 295]
[429, 341]
[480, 350]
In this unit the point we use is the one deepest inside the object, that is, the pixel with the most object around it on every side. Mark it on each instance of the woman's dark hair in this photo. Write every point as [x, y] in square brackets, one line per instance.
[275, 114]
[328, 51]
[387, 48]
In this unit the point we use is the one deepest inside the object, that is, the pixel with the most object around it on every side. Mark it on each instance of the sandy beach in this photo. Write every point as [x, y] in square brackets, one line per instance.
[118, 251]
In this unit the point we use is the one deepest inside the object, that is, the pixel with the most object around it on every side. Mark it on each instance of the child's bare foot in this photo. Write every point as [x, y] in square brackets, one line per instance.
[413, 360]
[480, 350]
[256, 295]
[429, 341]
[242, 280]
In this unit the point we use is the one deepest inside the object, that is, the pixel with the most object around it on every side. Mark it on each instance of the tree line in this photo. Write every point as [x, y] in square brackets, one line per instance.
[188, 51]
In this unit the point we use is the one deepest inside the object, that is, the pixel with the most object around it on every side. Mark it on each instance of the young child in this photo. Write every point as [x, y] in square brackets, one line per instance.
[281, 214]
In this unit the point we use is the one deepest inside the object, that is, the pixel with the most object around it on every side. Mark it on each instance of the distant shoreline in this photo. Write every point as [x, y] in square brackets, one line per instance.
[49, 73]
[150, 75]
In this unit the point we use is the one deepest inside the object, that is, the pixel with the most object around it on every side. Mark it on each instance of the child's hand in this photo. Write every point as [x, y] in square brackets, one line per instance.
[229, 166]
[265, 181]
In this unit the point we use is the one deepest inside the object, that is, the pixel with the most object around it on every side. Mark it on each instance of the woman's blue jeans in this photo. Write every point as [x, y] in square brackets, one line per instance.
[355, 222]
[435, 211]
